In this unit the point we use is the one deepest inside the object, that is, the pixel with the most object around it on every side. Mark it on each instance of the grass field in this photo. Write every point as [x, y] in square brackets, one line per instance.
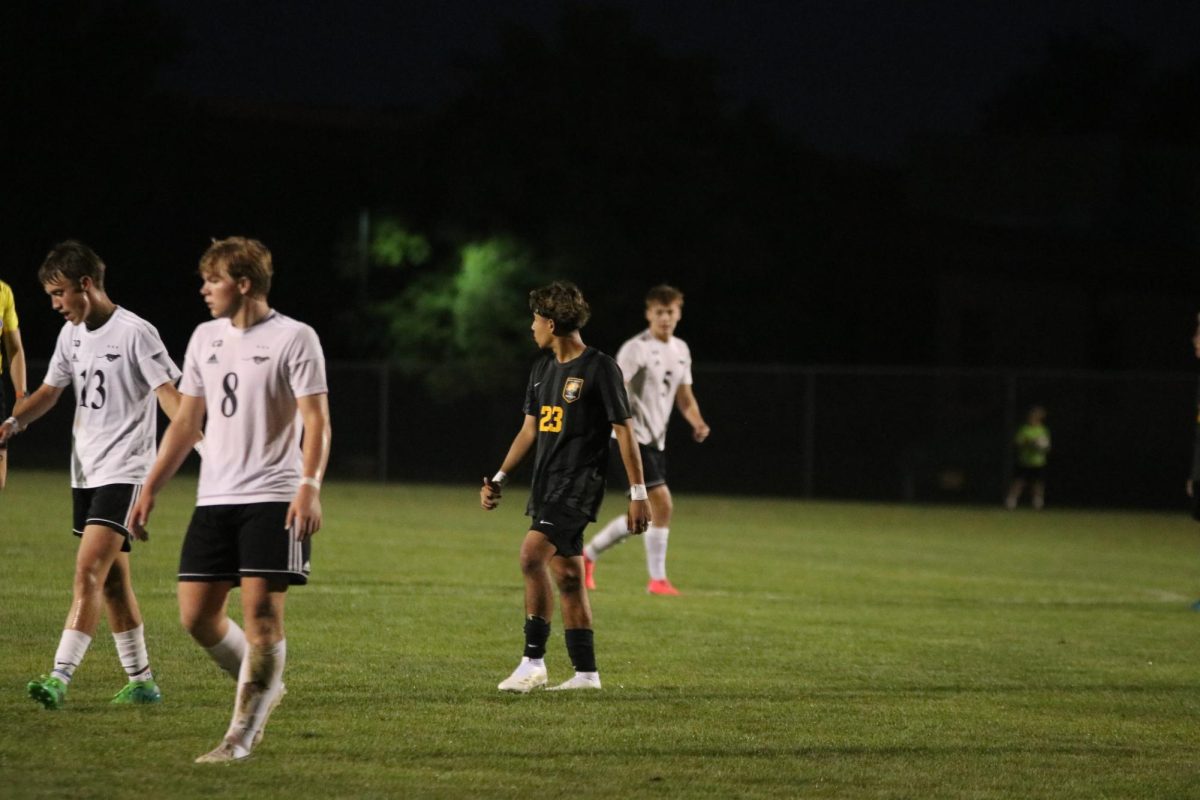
[819, 650]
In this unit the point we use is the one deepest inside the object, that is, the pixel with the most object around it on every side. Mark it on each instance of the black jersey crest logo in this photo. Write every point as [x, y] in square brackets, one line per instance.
[572, 389]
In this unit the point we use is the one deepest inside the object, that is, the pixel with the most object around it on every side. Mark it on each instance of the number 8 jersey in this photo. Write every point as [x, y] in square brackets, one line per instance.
[114, 370]
[250, 379]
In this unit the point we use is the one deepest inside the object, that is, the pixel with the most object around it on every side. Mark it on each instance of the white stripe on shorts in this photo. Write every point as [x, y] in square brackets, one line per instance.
[295, 552]
[133, 498]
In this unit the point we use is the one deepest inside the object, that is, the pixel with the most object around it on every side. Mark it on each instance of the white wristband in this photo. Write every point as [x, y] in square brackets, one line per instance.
[637, 491]
[313, 482]
[499, 477]
[17, 426]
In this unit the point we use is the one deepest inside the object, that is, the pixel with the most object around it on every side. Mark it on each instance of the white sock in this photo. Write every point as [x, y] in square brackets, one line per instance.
[230, 651]
[656, 552]
[72, 647]
[260, 681]
[532, 663]
[610, 535]
[131, 649]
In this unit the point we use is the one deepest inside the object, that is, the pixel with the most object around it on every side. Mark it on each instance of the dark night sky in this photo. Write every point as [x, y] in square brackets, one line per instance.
[850, 77]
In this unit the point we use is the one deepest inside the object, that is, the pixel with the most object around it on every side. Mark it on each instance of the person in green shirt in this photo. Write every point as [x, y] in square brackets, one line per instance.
[1033, 446]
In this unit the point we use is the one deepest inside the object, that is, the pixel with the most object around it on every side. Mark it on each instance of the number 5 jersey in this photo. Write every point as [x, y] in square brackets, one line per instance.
[114, 370]
[250, 379]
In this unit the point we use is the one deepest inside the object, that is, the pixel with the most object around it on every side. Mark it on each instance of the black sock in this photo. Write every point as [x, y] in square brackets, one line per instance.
[581, 648]
[537, 631]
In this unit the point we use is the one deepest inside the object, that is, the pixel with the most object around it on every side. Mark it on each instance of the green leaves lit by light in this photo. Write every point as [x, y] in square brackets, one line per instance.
[489, 293]
[460, 322]
[392, 245]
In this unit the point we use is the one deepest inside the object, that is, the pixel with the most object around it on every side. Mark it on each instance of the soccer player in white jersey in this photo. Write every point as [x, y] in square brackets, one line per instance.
[117, 365]
[259, 377]
[658, 375]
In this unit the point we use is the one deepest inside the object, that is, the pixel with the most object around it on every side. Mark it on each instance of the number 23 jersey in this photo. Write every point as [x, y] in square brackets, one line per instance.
[250, 379]
[575, 405]
[114, 370]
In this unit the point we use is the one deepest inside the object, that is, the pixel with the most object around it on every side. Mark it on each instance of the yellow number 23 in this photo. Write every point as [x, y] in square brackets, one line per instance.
[551, 421]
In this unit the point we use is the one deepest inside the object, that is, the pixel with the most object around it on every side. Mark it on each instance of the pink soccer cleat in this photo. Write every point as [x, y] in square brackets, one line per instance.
[663, 587]
[589, 569]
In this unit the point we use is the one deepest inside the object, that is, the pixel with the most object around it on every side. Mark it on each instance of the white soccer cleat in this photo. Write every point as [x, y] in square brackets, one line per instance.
[227, 752]
[580, 680]
[525, 678]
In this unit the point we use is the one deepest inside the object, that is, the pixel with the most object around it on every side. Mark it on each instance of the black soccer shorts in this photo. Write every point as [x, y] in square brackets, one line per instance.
[107, 505]
[231, 542]
[654, 465]
[563, 526]
[1031, 474]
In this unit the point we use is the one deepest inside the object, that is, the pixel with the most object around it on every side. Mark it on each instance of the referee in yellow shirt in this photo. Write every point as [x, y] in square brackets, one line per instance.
[14, 359]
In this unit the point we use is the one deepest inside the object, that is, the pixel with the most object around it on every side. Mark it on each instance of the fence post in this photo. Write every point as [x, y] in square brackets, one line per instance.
[382, 454]
[1010, 417]
[810, 429]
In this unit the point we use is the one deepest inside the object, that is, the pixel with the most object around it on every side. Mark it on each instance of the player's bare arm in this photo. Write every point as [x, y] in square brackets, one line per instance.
[685, 401]
[30, 409]
[304, 513]
[182, 434]
[169, 399]
[15, 353]
[489, 493]
[638, 518]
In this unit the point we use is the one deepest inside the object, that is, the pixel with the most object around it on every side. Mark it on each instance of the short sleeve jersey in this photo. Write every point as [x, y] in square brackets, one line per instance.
[8, 313]
[575, 405]
[250, 380]
[114, 370]
[654, 371]
[1033, 445]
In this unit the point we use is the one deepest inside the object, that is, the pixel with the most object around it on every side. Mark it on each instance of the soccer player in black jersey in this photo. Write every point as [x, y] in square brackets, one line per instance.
[574, 403]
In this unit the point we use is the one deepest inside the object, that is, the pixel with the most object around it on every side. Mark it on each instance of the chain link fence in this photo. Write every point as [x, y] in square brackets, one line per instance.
[885, 434]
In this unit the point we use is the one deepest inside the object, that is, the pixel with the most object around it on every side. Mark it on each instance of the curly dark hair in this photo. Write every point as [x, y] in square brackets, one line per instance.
[563, 303]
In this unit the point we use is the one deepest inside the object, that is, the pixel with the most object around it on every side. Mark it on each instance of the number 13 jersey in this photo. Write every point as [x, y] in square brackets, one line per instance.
[250, 379]
[114, 370]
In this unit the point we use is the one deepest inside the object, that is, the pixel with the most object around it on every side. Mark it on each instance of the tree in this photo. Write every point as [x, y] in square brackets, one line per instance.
[460, 320]
[625, 167]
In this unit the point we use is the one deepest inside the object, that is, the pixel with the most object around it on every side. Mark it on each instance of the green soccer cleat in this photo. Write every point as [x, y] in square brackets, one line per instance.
[138, 693]
[49, 691]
